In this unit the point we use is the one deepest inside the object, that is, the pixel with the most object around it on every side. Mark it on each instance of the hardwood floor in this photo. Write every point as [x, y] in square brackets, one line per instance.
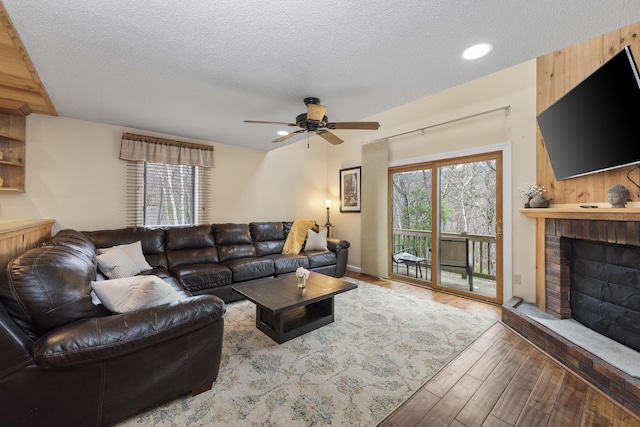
[500, 380]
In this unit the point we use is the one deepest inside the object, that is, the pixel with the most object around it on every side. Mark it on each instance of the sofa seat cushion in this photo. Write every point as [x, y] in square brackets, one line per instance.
[196, 277]
[285, 263]
[244, 269]
[161, 272]
[320, 258]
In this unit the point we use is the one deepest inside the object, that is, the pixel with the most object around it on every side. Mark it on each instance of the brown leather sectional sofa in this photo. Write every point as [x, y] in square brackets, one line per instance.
[67, 362]
[211, 259]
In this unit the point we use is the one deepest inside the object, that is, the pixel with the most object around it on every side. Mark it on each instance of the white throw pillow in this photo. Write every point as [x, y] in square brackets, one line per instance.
[134, 250]
[116, 264]
[316, 241]
[134, 293]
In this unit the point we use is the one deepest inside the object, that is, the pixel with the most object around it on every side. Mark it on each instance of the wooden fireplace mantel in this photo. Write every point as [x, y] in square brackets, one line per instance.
[601, 213]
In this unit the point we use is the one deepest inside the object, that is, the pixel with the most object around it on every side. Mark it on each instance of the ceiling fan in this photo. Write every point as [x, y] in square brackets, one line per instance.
[314, 120]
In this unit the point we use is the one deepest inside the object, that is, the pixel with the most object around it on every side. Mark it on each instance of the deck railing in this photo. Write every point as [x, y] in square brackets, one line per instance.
[482, 248]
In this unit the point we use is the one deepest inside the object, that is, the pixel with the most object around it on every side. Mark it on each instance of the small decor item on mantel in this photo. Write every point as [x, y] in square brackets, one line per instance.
[531, 191]
[539, 202]
[618, 196]
[303, 275]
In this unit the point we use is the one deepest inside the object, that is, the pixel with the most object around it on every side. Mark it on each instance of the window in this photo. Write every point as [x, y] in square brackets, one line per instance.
[168, 182]
[168, 194]
[162, 194]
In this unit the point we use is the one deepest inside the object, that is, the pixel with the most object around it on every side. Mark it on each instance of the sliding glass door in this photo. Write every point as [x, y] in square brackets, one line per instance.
[446, 225]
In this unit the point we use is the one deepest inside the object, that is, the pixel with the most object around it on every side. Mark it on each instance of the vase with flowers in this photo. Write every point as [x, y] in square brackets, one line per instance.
[303, 275]
[529, 191]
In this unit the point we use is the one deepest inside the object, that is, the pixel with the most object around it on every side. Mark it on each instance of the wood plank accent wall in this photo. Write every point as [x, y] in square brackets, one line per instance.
[17, 237]
[557, 73]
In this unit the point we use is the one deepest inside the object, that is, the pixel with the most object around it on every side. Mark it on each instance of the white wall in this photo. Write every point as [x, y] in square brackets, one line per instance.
[74, 174]
[515, 87]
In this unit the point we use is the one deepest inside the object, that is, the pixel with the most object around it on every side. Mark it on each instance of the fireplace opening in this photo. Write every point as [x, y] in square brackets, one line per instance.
[605, 295]
[605, 289]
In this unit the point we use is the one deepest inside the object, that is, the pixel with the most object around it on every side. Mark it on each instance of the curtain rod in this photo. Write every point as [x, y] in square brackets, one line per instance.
[504, 107]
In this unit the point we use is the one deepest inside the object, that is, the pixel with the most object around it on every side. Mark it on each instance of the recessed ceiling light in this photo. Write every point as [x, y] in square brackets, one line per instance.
[283, 132]
[477, 51]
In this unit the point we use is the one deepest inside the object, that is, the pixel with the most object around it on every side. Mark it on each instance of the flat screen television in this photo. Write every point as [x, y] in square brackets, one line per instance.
[596, 125]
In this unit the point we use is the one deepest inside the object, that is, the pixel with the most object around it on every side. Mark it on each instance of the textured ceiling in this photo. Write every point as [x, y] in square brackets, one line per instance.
[197, 69]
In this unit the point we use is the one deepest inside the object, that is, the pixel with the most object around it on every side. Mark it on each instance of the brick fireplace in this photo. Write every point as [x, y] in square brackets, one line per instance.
[617, 229]
[557, 251]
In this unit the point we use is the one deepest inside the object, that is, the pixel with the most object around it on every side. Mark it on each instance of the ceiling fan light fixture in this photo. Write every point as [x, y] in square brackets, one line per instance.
[476, 51]
[315, 121]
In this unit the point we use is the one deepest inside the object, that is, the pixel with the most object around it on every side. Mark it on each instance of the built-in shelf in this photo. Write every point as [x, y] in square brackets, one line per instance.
[21, 165]
[12, 145]
[11, 190]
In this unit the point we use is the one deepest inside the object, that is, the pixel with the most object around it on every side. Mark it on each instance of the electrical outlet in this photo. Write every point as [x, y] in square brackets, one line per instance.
[517, 279]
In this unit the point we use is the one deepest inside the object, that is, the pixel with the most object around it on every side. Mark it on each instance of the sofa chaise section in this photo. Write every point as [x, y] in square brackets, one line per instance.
[66, 361]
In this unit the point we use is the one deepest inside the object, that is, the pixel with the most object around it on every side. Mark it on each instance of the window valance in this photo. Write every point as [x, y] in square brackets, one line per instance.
[139, 148]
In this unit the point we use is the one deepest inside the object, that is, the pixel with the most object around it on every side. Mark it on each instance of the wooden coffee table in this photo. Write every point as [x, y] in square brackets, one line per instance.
[283, 311]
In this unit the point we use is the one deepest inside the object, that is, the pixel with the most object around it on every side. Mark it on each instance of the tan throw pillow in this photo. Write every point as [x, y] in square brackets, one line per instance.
[316, 241]
[134, 293]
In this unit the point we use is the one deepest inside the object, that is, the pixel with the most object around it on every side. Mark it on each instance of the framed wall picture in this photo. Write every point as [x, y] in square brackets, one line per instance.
[350, 190]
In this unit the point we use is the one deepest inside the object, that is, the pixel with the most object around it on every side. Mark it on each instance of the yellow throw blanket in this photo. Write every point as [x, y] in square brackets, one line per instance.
[297, 236]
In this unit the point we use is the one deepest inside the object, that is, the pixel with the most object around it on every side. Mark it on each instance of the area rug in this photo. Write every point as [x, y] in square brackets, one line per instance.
[381, 348]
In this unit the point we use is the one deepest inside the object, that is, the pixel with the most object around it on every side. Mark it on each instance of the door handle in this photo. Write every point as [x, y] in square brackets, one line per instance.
[499, 228]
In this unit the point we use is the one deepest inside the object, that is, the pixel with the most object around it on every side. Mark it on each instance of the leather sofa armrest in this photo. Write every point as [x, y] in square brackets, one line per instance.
[15, 344]
[341, 249]
[97, 339]
[336, 245]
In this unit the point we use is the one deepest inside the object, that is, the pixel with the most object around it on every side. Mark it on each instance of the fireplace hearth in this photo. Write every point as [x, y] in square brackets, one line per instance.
[560, 234]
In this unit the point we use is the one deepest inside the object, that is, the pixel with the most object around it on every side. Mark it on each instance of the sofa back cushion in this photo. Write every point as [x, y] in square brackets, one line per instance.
[48, 287]
[268, 237]
[75, 240]
[152, 240]
[190, 245]
[233, 241]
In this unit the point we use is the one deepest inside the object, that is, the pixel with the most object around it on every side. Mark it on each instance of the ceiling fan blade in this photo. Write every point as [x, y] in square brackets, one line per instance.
[329, 137]
[316, 112]
[270, 123]
[285, 137]
[354, 125]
